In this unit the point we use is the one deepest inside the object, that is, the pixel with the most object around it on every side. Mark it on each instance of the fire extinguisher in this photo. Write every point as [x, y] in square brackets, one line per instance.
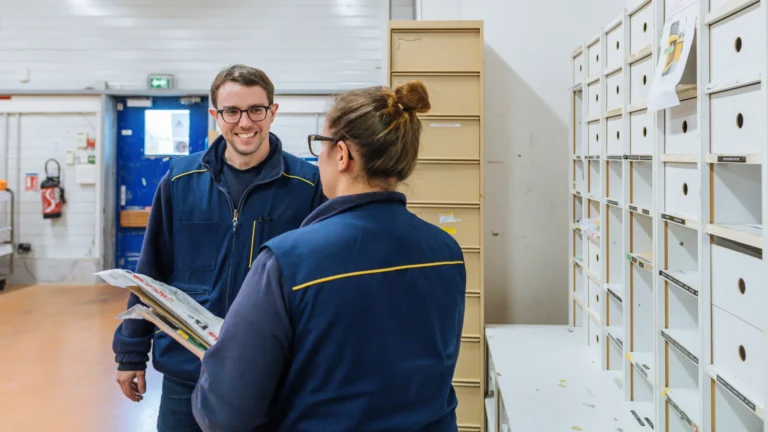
[52, 193]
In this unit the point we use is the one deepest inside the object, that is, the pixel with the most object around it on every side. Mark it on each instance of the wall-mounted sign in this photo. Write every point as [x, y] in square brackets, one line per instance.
[160, 81]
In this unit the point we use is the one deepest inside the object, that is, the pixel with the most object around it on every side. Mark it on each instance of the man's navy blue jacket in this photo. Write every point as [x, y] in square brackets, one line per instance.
[202, 242]
[351, 323]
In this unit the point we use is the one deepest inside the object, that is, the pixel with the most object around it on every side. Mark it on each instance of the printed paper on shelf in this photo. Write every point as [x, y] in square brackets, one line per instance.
[677, 39]
[199, 320]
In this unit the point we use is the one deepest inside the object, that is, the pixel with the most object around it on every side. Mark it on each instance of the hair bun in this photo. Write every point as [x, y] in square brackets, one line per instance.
[413, 96]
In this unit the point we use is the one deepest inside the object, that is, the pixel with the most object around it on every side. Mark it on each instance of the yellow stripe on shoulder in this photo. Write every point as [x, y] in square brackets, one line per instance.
[374, 271]
[187, 173]
[299, 178]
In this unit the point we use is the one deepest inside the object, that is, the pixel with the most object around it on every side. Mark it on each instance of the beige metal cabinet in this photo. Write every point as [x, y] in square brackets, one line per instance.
[446, 189]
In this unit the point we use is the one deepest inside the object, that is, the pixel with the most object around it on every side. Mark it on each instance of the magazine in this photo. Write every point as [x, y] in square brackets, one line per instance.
[178, 312]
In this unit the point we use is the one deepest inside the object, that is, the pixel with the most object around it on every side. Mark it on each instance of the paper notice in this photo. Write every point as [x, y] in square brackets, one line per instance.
[677, 39]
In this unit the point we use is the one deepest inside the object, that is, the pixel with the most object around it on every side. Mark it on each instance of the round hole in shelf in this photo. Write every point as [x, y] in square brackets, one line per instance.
[645, 132]
[682, 244]
[617, 89]
[597, 338]
[597, 58]
[597, 137]
[617, 45]
[645, 79]
[738, 44]
[597, 257]
[740, 120]
[597, 97]
[685, 126]
[742, 286]
[597, 298]
[742, 353]
[579, 68]
[617, 135]
[645, 27]
[685, 188]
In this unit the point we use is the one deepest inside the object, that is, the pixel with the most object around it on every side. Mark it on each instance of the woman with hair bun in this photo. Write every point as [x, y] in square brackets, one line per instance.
[353, 321]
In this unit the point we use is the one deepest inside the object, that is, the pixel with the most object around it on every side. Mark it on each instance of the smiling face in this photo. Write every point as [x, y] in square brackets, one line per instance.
[246, 136]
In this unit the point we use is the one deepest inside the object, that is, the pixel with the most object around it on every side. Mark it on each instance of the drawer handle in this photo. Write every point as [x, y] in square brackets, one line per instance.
[645, 27]
[685, 126]
[617, 45]
[738, 44]
[597, 58]
[685, 188]
[597, 338]
[579, 68]
[742, 353]
[597, 97]
[617, 135]
[597, 297]
[597, 137]
[645, 132]
[742, 286]
[597, 257]
[645, 79]
[740, 120]
[617, 89]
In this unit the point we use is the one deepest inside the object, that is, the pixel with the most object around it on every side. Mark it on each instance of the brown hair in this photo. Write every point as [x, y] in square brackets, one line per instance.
[383, 127]
[244, 75]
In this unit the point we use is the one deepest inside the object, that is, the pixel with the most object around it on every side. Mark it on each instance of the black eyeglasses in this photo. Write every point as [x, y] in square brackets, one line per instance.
[256, 113]
[315, 143]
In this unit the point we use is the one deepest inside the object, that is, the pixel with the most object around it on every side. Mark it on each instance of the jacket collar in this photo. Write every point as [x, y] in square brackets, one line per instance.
[213, 159]
[345, 203]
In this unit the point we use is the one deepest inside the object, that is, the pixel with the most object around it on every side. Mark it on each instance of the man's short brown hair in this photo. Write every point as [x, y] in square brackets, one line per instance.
[244, 75]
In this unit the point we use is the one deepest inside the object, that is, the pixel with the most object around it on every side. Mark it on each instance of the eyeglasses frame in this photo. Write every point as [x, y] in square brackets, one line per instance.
[240, 117]
[316, 137]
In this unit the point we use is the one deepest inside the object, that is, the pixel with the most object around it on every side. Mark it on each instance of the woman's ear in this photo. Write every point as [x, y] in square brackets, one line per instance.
[342, 157]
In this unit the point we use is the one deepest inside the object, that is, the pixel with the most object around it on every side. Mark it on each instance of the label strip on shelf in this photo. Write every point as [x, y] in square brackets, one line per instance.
[736, 393]
[616, 296]
[682, 413]
[677, 282]
[682, 349]
[637, 417]
[674, 219]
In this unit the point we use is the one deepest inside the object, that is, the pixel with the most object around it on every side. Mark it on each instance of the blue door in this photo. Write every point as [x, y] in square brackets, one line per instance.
[150, 132]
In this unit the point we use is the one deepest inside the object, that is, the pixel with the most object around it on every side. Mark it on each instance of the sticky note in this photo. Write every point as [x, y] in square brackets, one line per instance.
[449, 230]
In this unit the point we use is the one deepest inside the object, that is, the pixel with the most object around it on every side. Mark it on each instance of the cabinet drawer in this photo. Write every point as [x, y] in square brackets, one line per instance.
[641, 29]
[473, 325]
[471, 408]
[463, 223]
[595, 300]
[595, 100]
[681, 131]
[450, 139]
[614, 137]
[615, 48]
[454, 51]
[457, 95]
[681, 190]
[472, 265]
[737, 46]
[595, 339]
[443, 182]
[468, 367]
[641, 74]
[615, 92]
[738, 351]
[578, 69]
[737, 119]
[641, 139]
[594, 59]
[594, 256]
[737, 284]
[593, 129]
[594, 178]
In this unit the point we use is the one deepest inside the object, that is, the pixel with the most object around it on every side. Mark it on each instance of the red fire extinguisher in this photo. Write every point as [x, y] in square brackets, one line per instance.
[52, 193]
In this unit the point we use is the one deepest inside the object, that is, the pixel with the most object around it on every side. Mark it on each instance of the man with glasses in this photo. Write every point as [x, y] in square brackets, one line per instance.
[210, 215]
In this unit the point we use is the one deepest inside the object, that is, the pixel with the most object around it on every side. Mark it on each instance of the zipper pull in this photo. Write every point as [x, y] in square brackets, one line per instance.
[234, 221]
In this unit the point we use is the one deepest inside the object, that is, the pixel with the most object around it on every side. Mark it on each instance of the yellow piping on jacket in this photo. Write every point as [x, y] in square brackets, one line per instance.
[187, 173]
[374, 271]
[299, 178]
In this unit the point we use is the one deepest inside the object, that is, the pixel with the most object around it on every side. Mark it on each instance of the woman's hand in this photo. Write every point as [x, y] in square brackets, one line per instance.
[133, 384]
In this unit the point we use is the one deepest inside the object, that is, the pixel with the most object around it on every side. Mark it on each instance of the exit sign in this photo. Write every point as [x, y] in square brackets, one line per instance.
[161, 81]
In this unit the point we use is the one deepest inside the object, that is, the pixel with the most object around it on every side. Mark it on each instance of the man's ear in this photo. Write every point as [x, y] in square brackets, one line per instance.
[274, 109]
[213, 113]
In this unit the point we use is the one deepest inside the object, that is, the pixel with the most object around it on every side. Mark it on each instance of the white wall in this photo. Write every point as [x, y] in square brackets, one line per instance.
[302, 45]
[527, 49]
[34, 129]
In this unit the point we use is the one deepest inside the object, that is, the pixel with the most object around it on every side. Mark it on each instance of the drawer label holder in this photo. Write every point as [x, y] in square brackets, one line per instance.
[732, 159]
[674, 219]
[682, 414]
[650, 423]
[612, 202]
[736, 393]
[675, 281]
[637, 417]
[633, 208]
[615, 157]
[646, 212]
[639, 157]
[642, 370]
[687, 353]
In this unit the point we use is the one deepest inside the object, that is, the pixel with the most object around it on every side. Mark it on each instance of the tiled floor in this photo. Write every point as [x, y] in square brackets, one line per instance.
[57, 365]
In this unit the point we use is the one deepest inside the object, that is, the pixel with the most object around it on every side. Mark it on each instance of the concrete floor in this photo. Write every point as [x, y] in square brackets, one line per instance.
[58, 369]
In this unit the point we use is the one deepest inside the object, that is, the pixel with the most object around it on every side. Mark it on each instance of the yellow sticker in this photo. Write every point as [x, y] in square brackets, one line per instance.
[629, 357]
[449, 230]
